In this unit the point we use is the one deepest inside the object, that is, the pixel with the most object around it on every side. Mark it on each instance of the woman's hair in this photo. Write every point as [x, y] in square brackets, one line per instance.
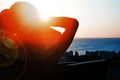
[22, 5]
[25, 14]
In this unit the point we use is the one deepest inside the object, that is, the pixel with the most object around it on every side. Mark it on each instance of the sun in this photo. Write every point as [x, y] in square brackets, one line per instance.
[45, 17]
[46, 8]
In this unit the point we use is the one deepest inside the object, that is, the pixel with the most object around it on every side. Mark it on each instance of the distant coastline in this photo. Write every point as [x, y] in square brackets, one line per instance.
[97, 38]
[92, 44]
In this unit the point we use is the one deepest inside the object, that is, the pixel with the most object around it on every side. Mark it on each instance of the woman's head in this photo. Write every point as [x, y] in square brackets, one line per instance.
[21, 16]
[26, 14]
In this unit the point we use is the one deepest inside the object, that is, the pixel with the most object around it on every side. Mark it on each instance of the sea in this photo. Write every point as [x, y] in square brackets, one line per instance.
[94, 44]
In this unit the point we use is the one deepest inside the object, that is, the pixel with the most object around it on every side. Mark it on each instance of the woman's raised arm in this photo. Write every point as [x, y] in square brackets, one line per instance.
[70, 25]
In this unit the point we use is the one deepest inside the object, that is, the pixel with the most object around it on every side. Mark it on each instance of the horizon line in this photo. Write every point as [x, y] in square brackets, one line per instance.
[95, 37]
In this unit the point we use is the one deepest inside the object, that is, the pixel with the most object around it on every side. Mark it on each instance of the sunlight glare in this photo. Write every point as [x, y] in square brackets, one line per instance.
[44, 17]
[46, 9]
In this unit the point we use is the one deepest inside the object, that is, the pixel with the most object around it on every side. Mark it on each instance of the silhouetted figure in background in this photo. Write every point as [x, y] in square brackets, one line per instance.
[44, 46]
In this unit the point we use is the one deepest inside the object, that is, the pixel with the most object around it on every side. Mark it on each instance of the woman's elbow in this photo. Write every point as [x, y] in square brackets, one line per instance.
[75, 24]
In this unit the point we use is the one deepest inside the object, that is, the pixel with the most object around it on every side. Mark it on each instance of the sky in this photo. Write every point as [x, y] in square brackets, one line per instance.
[97, 18]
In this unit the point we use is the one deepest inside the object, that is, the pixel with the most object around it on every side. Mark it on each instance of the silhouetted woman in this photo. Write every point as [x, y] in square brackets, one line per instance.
[44, 46]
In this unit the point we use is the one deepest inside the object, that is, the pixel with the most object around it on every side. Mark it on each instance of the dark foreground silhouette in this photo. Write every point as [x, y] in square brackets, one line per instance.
[31, 48]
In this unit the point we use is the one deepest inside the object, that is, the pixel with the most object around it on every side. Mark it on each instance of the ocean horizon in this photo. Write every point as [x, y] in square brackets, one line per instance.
[94, 44]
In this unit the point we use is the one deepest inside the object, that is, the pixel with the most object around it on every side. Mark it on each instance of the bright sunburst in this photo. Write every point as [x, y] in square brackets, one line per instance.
[45, 8]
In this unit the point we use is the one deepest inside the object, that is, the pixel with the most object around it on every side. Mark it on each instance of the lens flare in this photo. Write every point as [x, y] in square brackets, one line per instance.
[13, 58]
[9, 43]
[8, 49]
[8, 54]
